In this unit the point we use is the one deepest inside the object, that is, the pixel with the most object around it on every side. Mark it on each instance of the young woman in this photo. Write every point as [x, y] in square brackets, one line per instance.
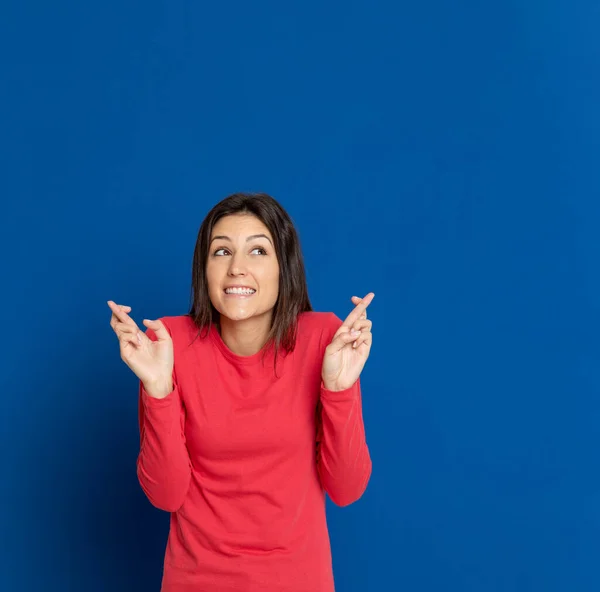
[249, 410]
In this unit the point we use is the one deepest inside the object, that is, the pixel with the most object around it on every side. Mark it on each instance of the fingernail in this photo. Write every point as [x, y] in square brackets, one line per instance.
[354, 332]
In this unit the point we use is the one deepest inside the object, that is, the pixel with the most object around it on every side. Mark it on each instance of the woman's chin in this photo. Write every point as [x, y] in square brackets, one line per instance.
[242, 315]
[237, 313]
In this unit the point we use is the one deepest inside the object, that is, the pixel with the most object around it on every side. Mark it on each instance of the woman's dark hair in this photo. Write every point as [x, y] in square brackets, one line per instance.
[293, 292]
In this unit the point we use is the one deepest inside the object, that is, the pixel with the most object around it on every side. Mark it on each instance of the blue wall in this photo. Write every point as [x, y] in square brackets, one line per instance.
[442, 154]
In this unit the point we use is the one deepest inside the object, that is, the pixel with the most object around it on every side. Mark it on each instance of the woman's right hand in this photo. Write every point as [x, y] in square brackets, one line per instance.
[151, 361]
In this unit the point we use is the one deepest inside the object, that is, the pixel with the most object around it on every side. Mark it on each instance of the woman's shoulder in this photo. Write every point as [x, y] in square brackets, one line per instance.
[181, 328]
[177, 322]
[326, 323]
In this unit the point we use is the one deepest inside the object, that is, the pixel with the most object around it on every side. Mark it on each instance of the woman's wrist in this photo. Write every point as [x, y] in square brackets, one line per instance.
[159, 389]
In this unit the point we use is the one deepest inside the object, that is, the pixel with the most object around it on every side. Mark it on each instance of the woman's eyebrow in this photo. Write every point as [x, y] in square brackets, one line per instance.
[223, 237]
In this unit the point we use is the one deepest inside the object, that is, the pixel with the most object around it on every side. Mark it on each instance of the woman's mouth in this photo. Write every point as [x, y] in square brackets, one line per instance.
[239, 292]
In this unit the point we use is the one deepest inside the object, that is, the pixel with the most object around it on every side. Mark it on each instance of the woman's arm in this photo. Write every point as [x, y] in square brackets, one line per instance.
[343, 459]
[163, 464]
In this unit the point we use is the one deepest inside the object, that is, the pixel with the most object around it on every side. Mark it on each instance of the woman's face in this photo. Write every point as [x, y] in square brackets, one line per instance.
[242, 269]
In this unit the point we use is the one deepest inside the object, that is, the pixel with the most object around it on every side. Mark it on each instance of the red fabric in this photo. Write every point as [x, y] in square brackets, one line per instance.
[242, 459]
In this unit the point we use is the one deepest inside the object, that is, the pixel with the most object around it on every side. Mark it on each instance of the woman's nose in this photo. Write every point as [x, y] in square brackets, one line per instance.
[236, 266]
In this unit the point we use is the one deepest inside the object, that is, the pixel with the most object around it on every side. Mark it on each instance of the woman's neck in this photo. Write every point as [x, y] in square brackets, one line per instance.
[247, 337]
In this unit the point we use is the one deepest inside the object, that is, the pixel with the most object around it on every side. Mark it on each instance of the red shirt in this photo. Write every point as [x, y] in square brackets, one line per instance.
[242, 459]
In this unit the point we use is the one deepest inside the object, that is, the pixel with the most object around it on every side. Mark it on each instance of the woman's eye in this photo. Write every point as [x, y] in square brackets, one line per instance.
[223, 251]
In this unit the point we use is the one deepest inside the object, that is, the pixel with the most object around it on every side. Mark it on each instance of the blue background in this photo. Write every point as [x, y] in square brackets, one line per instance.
[441, 154]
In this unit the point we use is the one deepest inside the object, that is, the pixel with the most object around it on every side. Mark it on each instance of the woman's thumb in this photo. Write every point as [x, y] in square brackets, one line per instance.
[158, 328]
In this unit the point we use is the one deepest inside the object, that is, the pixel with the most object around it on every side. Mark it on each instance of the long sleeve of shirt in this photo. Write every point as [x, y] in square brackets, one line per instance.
[163, 464]
[343, 458]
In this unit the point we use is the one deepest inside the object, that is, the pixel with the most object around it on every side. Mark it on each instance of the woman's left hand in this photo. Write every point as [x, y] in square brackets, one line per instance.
[349, 349]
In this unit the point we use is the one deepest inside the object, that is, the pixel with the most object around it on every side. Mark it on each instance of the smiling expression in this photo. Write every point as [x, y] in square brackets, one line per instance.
[242, 268]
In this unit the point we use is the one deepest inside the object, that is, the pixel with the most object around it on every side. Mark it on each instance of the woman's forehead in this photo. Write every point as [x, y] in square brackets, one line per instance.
[239, 225]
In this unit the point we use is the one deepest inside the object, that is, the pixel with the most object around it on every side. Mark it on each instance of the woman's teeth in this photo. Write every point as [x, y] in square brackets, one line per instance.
[245, 291]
